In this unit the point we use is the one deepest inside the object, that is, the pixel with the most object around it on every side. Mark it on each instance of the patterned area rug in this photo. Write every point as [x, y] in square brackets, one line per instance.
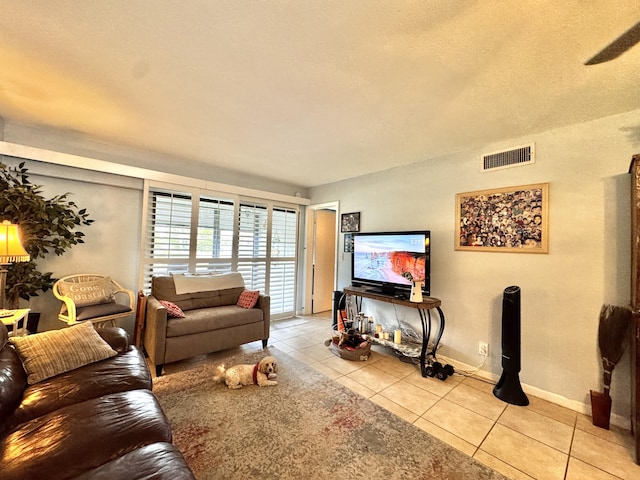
[308, 426]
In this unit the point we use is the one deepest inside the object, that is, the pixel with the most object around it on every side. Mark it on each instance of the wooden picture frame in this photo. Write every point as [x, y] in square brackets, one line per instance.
[509, 219]
[350, 222]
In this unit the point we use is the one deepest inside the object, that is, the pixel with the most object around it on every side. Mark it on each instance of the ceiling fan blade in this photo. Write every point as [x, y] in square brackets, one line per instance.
[620, 45]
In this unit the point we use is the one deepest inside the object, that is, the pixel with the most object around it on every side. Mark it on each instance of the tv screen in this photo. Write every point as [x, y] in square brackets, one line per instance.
[390, 261]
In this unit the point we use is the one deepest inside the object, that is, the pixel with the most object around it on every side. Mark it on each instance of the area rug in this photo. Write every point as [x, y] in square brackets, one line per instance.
[308, 426]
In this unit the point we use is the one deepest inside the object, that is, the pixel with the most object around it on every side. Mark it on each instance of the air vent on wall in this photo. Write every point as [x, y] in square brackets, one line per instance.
[508, 158]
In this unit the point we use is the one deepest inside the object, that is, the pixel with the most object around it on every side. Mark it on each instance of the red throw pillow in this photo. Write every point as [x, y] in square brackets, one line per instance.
[173, 310]
[248, 298]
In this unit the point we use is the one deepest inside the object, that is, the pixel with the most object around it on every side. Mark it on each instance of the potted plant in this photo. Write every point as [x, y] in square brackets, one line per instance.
[612, 331]
[47, 225]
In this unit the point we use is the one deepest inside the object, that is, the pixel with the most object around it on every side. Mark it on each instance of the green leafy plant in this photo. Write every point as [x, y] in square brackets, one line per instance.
[46, 226]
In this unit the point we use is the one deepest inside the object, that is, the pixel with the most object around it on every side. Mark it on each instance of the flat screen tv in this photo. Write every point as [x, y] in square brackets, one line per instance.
[388, 262]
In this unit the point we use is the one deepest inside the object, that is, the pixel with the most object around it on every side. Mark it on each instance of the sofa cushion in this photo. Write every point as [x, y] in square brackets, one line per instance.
[117, 337]
[72, 440]
[124, 372]
[159, 461]
[173, 310]
[48, 354]
[248, 298]
[88, 293]
[207, 319]
[13, 378]
[163, 288]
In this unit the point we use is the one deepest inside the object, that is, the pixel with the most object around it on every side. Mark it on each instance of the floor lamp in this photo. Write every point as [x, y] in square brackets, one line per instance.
[11, 250]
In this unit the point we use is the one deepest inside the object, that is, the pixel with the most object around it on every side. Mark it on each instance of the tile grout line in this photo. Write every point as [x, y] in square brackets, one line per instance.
[548, 415]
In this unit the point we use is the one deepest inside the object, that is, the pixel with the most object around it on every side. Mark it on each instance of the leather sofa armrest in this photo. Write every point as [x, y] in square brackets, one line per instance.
[117, 337]
[264, 304]
[155, 331]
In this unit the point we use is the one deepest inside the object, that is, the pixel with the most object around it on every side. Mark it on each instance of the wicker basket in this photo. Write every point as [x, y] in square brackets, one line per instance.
[361, 353]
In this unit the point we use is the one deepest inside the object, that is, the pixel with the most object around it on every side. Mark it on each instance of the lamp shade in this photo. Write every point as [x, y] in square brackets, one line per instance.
[11, 249]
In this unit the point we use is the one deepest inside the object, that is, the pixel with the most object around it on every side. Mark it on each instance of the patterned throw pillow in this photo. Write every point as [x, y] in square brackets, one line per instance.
[88, 293]
[173, 310]
[45, 355]
[248, 298]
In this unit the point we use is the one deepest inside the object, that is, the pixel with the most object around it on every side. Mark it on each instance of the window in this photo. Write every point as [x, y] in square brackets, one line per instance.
[214, 242]
[284, 226]
[168, 231]
[253, 223]
[199, 232]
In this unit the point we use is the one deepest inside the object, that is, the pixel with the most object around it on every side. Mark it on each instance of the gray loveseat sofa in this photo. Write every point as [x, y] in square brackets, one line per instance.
[213, 321]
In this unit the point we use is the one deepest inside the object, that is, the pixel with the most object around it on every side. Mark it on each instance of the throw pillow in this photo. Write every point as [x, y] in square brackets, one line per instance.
[248, 298]
[45, 355]
[173, 310]
[88, 293]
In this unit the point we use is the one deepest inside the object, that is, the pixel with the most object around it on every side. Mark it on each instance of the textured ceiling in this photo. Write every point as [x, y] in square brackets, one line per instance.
[311, 92]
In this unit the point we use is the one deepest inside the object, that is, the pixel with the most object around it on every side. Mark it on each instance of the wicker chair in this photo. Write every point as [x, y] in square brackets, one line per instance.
[92, 297]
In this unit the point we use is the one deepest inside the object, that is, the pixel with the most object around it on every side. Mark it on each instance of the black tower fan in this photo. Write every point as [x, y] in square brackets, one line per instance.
[508, 387]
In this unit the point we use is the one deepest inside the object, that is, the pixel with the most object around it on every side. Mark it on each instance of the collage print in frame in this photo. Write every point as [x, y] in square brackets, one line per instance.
[349, 223]
[509, 219]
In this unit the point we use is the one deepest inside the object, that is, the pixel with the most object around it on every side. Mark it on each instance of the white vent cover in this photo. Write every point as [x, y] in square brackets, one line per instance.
[508, 158]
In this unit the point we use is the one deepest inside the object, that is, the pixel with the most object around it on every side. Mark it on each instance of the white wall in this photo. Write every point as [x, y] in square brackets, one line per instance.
[562, 292]
[75, 143]
[115, 203]
[112, 242]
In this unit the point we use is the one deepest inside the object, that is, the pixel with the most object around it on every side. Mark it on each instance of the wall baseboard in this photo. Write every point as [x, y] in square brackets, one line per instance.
[580, 407]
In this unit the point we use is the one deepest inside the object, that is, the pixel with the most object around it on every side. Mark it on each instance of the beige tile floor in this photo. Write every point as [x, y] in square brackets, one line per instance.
[542, 441]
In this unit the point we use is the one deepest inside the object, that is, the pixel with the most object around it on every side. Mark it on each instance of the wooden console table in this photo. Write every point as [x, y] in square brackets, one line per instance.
[424, 310]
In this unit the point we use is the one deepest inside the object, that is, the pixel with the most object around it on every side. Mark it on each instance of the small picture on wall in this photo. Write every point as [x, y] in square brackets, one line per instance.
[350, 222]
[348, 242]
[510, 219]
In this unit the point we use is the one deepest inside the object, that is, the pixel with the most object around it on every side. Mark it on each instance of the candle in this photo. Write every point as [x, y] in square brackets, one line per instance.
[397, 337]
[378, 328]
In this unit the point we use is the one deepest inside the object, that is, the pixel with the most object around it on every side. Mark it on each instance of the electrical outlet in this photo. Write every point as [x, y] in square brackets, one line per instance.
[483, 348]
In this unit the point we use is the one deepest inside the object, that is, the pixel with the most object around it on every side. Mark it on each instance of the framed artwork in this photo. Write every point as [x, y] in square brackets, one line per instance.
[510, 219]
[350, 222]
[348, 242]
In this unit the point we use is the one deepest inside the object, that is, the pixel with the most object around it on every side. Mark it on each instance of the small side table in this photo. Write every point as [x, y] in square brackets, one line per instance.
[14, 319]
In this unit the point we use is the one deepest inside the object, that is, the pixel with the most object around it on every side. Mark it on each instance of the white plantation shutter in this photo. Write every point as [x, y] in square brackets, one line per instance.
[198, 232]
[252, 245]
[168, 234]
[284, 227]
[214, 244]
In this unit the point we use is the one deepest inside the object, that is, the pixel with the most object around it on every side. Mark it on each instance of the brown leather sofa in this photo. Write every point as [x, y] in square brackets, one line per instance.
[100, 421]
[213, 321]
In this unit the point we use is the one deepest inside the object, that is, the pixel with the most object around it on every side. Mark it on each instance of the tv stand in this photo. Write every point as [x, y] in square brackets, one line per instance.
[388, 290]
[424, 310]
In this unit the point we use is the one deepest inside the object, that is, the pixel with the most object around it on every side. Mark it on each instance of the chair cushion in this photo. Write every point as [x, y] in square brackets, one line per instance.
[88, 293]
[100, 310]
[48, 354]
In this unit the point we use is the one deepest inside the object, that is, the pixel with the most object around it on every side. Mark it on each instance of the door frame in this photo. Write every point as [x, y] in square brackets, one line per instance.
[310, 248]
